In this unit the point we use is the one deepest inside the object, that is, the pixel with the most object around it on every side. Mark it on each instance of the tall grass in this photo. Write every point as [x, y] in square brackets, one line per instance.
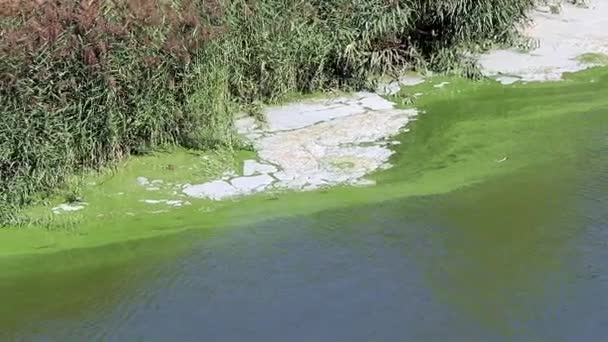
[85, 83]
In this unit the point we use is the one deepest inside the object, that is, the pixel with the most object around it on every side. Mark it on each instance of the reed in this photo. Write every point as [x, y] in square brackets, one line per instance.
[86, 83]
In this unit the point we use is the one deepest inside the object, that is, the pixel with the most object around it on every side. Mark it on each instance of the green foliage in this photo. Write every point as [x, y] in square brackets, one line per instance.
[85, 83]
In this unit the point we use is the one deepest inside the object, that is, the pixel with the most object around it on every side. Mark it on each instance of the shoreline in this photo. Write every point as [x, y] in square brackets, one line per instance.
[128, 218]
[375, 143]
[314, 144]
[562, 40]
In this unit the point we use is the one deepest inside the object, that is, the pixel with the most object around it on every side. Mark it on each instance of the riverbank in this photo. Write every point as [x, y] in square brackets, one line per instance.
[85, 85]
[495, 198]
[468, 132]
[169, 192]
[531, 242]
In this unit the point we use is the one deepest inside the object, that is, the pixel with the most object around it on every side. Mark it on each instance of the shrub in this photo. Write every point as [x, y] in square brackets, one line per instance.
[84, 83]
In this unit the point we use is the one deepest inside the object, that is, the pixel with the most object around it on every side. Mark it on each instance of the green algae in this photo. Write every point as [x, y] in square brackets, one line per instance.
[593, 58]
[468, 129]
[468, 132]
[62, 285]
[490, 258]
[503, 240]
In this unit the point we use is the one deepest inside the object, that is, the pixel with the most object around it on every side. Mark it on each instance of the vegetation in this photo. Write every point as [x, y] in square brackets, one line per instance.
[83, 84]
[467, 129]
[593, 58]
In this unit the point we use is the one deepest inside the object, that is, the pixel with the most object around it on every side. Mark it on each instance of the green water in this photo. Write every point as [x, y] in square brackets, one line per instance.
[491, 225]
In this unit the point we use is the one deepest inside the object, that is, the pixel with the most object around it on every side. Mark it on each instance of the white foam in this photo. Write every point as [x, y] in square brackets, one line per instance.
[173, 203]
[215, 190]
[562, 38]
[68, 207]
[248, 185]
[252, 167]
[143, 181]
[404, 81]
[313, 144]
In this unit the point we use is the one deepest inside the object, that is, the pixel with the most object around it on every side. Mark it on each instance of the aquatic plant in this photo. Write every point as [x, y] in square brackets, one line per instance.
[85, 83]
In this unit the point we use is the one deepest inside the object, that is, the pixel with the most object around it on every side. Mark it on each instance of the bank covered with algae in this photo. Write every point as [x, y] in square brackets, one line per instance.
[485, 192]
[466, 135]
[466, 132]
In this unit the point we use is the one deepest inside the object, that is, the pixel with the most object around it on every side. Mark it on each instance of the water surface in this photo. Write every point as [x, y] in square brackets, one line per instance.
[519, 255]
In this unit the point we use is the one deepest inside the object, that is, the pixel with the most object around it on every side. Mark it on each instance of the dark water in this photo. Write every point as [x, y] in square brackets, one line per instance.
[523, 257]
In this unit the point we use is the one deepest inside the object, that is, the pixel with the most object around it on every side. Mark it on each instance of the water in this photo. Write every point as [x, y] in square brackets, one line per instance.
[520, 259]
[522, 255]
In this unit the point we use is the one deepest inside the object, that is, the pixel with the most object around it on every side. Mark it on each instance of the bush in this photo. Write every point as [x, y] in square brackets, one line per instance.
[85, 83]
